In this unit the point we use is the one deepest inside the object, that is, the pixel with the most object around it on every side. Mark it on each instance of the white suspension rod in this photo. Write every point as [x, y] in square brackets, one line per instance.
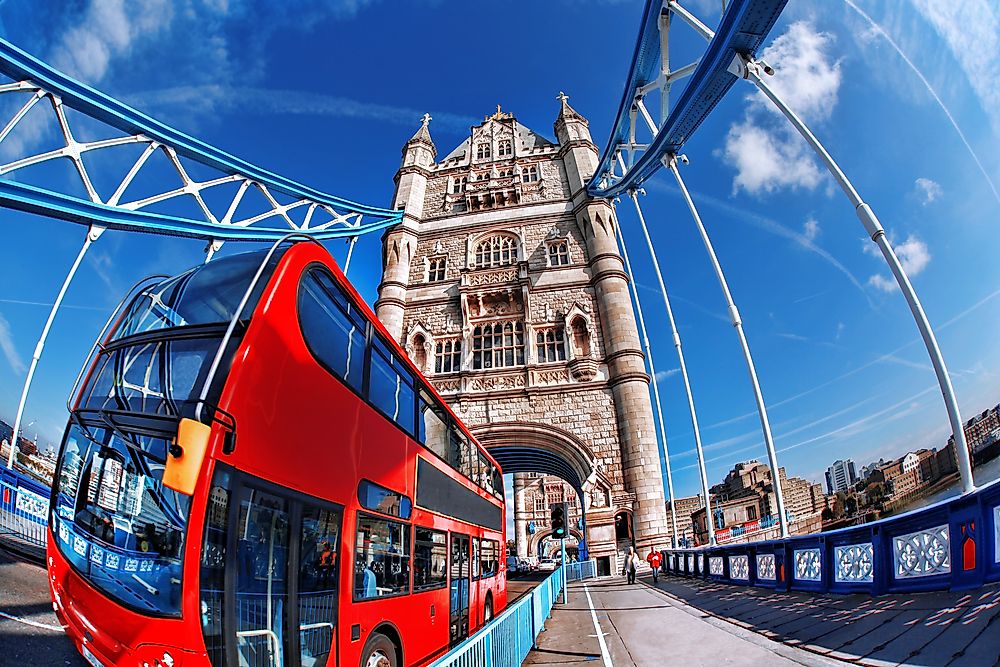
[749, 69]
[652, 375]
[734, 314]
[350, 251]
[92, 235]
[709, 521]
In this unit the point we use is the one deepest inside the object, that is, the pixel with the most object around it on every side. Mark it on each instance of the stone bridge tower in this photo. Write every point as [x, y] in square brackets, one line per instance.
[505, 286]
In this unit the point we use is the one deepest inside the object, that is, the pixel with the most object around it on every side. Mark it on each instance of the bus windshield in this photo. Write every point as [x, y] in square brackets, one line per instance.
[114, 520]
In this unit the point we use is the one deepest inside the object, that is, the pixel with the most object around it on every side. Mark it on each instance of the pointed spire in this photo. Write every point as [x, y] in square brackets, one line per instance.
[423, 134]
[566, 112]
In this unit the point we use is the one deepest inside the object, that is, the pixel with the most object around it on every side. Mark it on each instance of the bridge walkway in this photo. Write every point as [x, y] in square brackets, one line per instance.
[937, 628]
[643, 626]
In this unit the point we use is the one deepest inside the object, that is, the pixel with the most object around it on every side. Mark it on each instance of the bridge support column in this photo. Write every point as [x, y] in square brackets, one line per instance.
[656, 389]
[734, 314]
[746, 68]
[709, 519]
[93, 234]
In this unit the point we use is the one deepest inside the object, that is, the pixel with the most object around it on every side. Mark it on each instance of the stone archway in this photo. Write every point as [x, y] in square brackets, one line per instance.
[531, 447]
[536, 540]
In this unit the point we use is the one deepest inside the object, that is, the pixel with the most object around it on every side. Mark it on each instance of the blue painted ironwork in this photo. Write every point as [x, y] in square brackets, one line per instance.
[507, 639]
[743, 28]
[24, 508]
[951, 545]
[326, 216]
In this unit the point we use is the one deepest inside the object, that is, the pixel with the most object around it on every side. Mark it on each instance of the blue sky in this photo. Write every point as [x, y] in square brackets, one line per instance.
[327, 93]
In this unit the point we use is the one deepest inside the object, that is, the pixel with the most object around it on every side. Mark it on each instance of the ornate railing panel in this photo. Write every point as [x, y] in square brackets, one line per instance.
[739, 567]
[951, 545]
[808, 565]
[765, 567]
[855, 563]
[923, 553]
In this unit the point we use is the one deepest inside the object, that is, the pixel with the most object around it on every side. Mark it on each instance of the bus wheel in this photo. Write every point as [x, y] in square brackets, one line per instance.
[379, 652]
[488, 610]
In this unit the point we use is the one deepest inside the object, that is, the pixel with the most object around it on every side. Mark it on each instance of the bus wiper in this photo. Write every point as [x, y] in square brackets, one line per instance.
[153, 590]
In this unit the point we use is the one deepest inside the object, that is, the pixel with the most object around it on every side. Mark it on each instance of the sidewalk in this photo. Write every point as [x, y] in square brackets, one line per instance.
[953, 629]
[642, 626]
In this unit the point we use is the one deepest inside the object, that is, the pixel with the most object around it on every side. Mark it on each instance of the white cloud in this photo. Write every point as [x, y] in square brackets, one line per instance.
[914, 257]
[663, 375]
[928, 190]
[810, 230]
[971, 29]
[767, 153]
[8, 349]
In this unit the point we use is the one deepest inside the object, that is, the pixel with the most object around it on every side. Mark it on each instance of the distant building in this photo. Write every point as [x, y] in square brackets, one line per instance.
[684, 507]
[982, 433]
[747, 494]
[841, 476]
[867, 471]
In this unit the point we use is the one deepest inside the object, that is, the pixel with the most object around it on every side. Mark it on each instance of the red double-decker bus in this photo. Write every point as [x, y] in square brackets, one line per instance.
[255, 474]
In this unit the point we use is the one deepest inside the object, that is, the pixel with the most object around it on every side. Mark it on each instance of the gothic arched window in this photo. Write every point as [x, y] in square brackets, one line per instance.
[437, 269]
[558, 252]
[459, 184]
[483, 151]
[498, 345]
[529, 174]
[497, 250]
[448, 356]
[504, 148]
[550, 345]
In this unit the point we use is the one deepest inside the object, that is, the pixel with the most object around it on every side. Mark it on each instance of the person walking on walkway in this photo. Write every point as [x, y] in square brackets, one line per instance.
[653, 558]
[631, 562]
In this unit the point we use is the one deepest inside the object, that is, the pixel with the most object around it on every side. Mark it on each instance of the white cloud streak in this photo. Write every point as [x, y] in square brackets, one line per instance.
[663, 375]
[9, 350]
[933, 9]
[810, 230]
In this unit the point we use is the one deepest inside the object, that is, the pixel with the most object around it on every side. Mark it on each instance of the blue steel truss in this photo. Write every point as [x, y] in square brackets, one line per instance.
[743, 28]
[326, 216]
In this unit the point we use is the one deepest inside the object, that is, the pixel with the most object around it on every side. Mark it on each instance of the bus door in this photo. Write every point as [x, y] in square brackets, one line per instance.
[278, 571]
[459, 587]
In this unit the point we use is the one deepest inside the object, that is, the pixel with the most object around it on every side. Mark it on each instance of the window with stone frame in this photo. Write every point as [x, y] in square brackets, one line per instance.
[483, 151]
[458, 185]
[529, 174]
[437, 269]
[558, 252]
[751, 512]
[550, 345]
[448, 356]
[497, 345]
[496, 250]
[539, 504]
[505, 148]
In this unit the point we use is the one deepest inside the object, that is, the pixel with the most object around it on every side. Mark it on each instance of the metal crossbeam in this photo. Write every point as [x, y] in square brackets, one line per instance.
[639, 142]
[326, 216]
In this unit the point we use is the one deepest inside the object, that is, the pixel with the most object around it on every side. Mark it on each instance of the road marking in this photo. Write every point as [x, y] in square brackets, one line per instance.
[44, 626]
[597, 628]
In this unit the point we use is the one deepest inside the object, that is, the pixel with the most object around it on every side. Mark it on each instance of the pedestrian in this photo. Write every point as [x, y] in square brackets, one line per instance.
[631, 561]
[653, 558]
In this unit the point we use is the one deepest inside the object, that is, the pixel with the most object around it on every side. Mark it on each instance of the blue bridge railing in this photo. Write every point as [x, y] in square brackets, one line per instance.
[24, 506]
[507, 639]
[951, 545]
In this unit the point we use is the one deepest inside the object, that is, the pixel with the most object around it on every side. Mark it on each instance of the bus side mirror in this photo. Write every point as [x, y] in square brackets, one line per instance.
[185, 456]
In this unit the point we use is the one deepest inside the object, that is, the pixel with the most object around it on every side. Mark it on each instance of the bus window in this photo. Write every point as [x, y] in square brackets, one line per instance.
[460, 453]
[213, 566]
[380, 499]
[333, 329]
[261, 590]
[382, 558]
[489, 558]
[390, 386]
[486, 475]
[432, 426]
[475, 558]
[430, 559]
[318, 560]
